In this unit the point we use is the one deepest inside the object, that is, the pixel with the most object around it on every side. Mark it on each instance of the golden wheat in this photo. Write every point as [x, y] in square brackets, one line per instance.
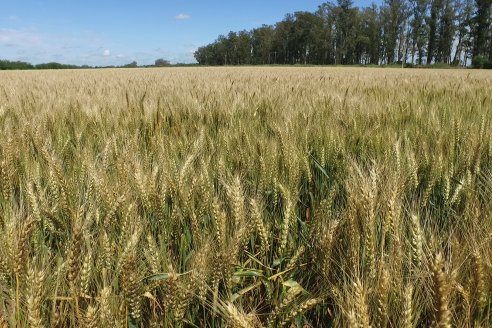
[246, 197]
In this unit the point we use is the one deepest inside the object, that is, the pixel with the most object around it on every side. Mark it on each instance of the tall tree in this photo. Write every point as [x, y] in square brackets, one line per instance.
[244, 48]
[282, 41]
[261, 43]
[447, 29]
[419, 29]
[434, 31]
[306, 36]
[432, 22]
[371, 34]
[327, 12]
[345, 32]
[395, 13]
[464, 32]
[482, 30]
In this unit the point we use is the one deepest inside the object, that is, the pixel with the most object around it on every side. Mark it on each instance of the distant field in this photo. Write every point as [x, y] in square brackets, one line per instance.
[246, 197]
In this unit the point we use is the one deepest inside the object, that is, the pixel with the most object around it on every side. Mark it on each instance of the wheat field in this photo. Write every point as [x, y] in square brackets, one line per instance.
[246, 197]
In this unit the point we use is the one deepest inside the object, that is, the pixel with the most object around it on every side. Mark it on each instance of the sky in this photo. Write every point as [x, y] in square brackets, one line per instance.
[110, 32]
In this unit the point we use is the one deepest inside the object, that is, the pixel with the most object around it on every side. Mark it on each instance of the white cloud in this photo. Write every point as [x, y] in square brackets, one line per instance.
[183, 17]
[12, 37]
[39, 47]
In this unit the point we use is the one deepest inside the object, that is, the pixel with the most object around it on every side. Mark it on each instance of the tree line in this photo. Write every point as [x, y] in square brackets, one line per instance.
[21, 65]
[410, 32]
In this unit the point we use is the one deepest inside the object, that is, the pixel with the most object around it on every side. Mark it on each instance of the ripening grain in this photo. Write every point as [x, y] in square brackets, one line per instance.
[246, 197]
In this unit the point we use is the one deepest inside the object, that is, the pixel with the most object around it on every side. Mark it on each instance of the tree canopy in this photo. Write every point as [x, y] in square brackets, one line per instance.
[161, 62]
[411, 32]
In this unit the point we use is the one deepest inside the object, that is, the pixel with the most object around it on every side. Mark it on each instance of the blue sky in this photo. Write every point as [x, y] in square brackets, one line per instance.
[109, 32]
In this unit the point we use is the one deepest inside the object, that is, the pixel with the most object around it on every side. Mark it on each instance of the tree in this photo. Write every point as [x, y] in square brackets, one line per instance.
[17, 65]
[482, 32]
[133, 64]
[432, 22]
[346, 22]
[305, 38]
[395, 15]
[419, 29]
[230, 43]
[243, 48]
[261, 45]
[464, 32]
[161, 62]
[221, 50]
[370, 37]
[430, 31]
[447, 30]
[282, 41]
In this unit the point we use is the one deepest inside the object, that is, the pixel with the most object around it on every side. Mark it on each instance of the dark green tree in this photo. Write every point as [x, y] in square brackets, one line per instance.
[244, 48]
[433, 21]
[394, 14]
[371, 34]
[346, 23]
[161, 62]
[464, 32]
[447, 31]
[482, 33]
[327, 12]
[283, 41]
[261, 44]
[419, 29]
[434, 31]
